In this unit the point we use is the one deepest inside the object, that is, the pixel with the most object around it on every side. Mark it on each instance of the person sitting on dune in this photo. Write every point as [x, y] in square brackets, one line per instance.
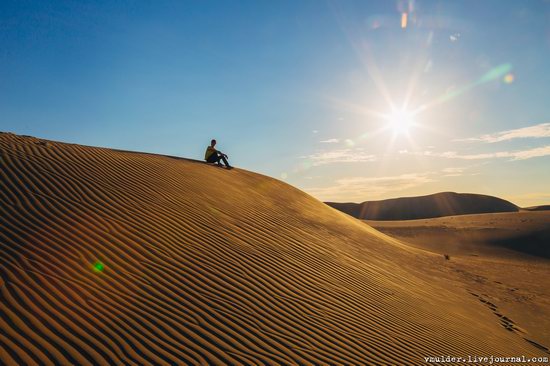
[214, 156]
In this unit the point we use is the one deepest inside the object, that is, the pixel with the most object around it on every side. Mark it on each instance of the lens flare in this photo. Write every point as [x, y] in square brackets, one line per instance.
[495, 73]
[404, 20]
[98, 266]
[509, 78]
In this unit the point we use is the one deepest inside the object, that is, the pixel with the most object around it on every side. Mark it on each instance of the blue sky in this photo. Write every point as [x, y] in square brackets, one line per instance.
[272, 80]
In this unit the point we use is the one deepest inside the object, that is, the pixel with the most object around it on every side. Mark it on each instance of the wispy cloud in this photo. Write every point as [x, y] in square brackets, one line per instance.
[330, 141]
[532, 153]
[458, 171]
[339, 156]
[512, 155]
[537, 131]
[362, 188]
[453, 172]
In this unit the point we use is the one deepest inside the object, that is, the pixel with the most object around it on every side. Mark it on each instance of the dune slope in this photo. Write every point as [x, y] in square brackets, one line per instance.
[112, 257]
[502, 234]
[423, 207]
[504, 256]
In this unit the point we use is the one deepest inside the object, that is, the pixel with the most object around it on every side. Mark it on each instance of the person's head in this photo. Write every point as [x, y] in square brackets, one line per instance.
[213, 143]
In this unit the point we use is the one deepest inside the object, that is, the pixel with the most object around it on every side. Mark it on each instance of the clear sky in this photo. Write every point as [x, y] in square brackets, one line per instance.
[347, 100]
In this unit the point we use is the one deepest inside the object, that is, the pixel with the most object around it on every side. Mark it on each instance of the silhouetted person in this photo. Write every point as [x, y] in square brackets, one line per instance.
[214, 156]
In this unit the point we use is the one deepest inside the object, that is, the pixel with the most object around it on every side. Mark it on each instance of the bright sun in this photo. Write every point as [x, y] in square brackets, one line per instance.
[400, 121]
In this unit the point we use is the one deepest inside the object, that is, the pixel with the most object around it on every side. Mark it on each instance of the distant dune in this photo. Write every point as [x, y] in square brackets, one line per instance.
[500, 234]
[123, 258]
[422, 207]
[538, 208]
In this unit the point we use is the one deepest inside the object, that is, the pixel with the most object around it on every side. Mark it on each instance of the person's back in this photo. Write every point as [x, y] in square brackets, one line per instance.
[214, 156]
[210, 150]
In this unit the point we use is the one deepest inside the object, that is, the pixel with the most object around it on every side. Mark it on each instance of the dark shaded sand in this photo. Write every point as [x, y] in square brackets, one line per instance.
[123, 258]
[423, 207]
[502, 257]
[538, 208]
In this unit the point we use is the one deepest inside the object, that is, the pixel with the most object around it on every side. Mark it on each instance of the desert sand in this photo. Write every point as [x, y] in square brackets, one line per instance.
[123, 258]
[509, 234]
[504, 256]
[422, 207]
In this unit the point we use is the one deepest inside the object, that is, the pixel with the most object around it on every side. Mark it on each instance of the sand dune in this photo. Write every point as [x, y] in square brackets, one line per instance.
[538, 208]
[504, 234]
[111, 257]
[505, 256]
[423, 207]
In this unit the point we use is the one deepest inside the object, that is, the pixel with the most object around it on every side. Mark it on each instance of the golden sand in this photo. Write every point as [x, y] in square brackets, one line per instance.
[122, 258]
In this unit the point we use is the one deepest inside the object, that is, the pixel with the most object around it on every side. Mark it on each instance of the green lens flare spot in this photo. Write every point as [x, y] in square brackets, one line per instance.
[98, 266]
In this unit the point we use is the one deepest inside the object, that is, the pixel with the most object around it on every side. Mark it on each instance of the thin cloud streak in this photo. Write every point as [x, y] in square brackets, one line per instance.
[339, 156]
[453, 172]
[330, 141]
[537, 131]
[513, 155]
